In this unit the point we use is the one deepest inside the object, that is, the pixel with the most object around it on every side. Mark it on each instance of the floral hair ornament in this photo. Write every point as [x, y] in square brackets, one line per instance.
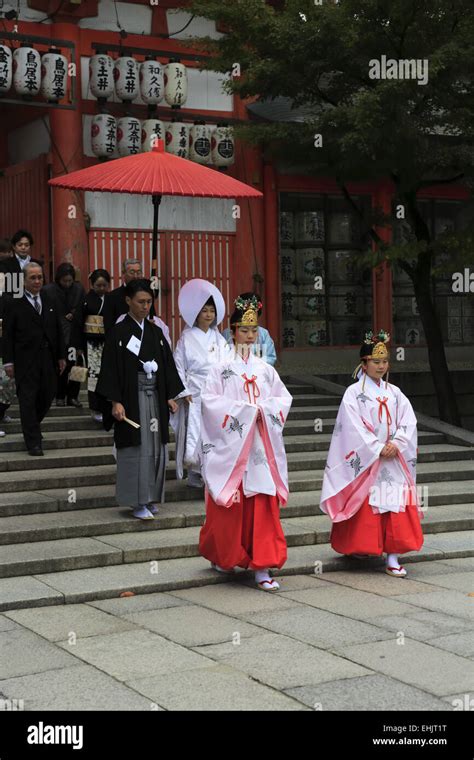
[242, 304]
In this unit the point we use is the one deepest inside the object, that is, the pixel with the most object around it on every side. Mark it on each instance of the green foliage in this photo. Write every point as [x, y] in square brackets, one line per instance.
[319, 56]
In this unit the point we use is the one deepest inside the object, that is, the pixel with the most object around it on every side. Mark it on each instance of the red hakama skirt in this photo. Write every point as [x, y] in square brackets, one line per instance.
[369, 533]
[247, 534]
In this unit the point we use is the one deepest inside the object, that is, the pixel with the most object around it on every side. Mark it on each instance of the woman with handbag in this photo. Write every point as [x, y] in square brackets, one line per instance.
[67, 295]
[91, 333]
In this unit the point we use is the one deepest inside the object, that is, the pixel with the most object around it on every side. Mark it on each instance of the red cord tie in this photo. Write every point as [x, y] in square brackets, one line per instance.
[251, 382]
[383, 405]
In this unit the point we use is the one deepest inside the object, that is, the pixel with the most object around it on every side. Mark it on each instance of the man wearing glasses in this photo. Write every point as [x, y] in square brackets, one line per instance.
[116, 304]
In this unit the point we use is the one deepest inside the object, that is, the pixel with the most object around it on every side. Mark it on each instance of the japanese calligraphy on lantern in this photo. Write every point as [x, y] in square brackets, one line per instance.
[6, 68]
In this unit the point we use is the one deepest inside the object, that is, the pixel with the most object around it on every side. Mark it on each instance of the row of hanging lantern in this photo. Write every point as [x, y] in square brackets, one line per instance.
[127, 135]
[32, 73]
[149, 79]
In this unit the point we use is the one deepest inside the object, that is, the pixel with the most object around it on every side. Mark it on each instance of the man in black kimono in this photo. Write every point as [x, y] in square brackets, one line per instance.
[33, 351]
[139, 379]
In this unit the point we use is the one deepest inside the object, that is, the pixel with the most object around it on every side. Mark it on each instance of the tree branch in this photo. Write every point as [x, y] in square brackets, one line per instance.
[373, 234]
[447, 181]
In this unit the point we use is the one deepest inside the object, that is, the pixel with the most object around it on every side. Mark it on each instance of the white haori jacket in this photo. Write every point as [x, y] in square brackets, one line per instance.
[233, 448]
[195, 353]
[367, 420]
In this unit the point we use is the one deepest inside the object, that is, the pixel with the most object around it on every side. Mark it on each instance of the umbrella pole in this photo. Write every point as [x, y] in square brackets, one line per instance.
[154, 249]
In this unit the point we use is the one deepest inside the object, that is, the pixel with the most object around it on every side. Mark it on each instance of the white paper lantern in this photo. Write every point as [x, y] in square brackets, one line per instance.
[152, 130]
[6, 69]
[200, 143]
[126, 78]
[26, 71]
[177, 139]
[54, 75]
[129, 136]
[152, 86]
[223, 145]
[176, 83]
[101, 76]
[103, 135]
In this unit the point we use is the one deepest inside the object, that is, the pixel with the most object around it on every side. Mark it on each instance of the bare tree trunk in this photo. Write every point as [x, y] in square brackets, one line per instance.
[442, 380]
[421, 276]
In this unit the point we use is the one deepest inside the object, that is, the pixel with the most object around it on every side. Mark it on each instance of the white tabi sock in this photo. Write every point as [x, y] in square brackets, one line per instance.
[262, 575]
[392, 561]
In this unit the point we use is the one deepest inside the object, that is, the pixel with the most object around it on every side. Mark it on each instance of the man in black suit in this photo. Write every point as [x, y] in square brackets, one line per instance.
[21, 243]
[33, 349]
[115, 304]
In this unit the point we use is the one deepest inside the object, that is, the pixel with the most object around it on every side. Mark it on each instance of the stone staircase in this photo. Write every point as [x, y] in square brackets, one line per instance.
[62, 540]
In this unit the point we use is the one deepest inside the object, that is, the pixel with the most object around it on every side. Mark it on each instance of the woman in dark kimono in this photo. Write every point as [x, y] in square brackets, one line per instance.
[67, 295]
[139, 379]
[91, 333]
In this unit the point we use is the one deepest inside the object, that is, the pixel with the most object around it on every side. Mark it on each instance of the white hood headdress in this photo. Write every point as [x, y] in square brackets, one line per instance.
[192, 297]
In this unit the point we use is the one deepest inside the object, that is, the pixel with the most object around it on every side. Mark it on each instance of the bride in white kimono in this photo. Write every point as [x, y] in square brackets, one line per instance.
[369, 485]
[200, 345]
[244, 406]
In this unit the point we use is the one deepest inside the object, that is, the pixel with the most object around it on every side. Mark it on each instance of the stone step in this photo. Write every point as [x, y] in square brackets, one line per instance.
[65, 419]
[302, 458]
[86, 439]
[295, 389]
[310, 399]
[82, 523]
[96, 583]
[57, 424]
[172, 543]
[59, 412]
[95, 497]
[54, 411]
[53, 427]
[67, 439]
[300, 479]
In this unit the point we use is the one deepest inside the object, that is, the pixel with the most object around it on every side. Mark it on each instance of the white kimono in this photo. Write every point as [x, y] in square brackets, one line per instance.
[368, 419]
[232, 447]
[195, 353]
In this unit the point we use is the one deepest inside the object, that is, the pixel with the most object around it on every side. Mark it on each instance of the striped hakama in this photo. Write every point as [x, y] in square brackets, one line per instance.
[141, 470]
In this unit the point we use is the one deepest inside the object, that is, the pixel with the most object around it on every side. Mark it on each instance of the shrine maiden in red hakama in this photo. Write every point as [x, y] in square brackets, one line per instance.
[369, 485]
[244, 406]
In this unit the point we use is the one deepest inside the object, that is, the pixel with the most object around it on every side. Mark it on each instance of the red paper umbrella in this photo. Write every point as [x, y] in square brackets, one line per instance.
[156, 173]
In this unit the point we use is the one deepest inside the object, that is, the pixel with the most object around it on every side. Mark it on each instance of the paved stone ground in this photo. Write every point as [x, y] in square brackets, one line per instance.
[340, 641]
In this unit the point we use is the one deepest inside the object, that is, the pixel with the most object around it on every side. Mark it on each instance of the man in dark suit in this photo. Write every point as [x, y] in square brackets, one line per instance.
[33, 351]
[116, 304]
[21, 244]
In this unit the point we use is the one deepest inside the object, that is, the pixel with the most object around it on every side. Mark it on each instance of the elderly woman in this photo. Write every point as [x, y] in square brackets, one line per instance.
[68, 296]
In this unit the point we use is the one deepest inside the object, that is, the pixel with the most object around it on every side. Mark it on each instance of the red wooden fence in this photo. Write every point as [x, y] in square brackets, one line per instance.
[24, 204]
[181, 256]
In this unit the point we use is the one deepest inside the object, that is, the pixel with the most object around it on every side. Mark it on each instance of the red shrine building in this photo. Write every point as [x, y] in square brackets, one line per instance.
[76, 96]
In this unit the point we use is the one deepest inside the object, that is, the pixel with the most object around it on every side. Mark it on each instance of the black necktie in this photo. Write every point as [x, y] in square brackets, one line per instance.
[37, 306]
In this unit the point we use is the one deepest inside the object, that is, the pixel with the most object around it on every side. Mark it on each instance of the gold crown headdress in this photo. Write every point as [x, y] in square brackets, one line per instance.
[249, 318]
[379, 349]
